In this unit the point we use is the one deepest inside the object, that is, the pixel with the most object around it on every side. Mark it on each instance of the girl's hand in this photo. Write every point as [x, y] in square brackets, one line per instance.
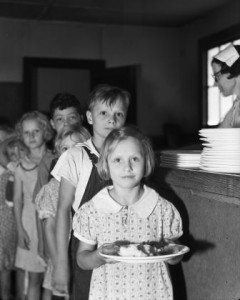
[106, 249]
[23, 240]
[60, 278]
[174, 261]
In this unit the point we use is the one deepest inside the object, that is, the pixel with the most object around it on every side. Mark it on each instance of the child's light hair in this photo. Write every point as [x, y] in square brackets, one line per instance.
[69, 131]
[114, 138]
[41, 119]
[108, 94]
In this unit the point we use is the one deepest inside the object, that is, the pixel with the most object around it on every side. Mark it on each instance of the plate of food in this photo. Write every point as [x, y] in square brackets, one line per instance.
[146, 252]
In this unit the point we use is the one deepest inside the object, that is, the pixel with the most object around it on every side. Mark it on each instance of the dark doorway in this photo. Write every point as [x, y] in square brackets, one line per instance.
[44, 77]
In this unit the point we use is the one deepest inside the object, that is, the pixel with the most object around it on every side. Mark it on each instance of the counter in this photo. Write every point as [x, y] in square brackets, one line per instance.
[209, 204]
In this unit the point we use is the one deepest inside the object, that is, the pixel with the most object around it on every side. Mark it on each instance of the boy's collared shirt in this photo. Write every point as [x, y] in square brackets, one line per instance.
[75, 166]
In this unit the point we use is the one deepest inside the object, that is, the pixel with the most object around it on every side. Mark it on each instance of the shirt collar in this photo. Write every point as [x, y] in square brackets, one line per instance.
[143, 207]
[89, 144]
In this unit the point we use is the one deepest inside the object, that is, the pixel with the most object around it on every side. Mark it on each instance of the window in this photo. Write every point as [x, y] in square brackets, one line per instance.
[214, 105]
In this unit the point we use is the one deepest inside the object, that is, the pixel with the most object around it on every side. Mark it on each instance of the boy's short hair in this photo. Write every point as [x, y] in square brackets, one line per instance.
[114, 138]
[64, 100]
[108, 94]
[39, 117]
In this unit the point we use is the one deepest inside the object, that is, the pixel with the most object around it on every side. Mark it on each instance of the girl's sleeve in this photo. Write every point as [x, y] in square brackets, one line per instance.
[46, 200]
[172, 222]
[84, 224]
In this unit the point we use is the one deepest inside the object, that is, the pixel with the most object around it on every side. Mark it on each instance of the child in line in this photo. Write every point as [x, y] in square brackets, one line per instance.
[35, 131]
[80, 181]
[46, 203]
[5, 133]
[65, 110]
[128, 210]
[11, 150]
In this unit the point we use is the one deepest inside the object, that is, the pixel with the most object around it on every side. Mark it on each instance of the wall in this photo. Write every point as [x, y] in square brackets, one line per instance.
[209, 205]
[155, 50]
[169, 79]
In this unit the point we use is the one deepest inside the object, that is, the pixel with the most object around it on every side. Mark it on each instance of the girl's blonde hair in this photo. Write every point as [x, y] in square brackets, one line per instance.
[42, 120]
[69, 131]
[114, 138]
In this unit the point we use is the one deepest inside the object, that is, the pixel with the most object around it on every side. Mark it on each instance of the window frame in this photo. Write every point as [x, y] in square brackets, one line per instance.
[205, 44]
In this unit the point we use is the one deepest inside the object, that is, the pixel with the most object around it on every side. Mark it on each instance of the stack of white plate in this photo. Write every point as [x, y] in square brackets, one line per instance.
[221, 152]
[180, 158]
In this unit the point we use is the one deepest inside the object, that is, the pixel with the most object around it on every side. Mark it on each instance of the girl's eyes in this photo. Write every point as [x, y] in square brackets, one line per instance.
[117, 160]
[136, 159]
[64, 149]
[32, 133]
[120, 115]
[103, 113]
[133, 159]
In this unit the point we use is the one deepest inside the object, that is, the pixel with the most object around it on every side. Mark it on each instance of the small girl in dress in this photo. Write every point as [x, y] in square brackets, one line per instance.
[127, 211]
[11, 150]
[47, 200]
[35, 131]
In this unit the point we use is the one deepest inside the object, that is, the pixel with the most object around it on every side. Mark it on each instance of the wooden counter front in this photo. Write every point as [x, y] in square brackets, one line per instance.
[209, 204]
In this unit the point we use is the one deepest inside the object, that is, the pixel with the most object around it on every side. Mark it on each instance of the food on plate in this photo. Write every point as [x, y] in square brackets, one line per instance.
[127, 249]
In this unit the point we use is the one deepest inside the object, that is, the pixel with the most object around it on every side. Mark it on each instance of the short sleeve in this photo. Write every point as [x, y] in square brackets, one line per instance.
[84, 224]
[46, 199]
[172, 222]
[68, 164]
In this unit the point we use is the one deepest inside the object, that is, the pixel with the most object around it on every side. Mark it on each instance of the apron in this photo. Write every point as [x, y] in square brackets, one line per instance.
[81, 278]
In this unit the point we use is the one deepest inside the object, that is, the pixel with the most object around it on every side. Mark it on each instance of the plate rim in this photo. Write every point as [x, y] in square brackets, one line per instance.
[147, 259]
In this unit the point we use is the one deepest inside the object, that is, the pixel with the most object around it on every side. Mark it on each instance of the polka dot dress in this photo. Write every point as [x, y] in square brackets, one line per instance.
[102, 220]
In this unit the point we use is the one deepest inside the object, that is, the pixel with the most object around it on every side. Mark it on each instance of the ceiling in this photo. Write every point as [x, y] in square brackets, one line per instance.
[169, 13]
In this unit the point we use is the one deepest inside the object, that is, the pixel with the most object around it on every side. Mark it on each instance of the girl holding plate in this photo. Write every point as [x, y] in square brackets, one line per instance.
[126, 211]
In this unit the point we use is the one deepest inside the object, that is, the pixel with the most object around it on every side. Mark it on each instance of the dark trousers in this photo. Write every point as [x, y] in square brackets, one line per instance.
[80, 282]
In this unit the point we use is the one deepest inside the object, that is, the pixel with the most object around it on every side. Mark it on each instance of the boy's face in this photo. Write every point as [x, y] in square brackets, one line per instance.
[65, 117]
[105, 118]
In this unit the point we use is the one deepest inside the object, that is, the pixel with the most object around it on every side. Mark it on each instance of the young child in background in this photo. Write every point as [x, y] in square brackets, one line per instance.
[5, 132]
[128, 210]
[80, 181]
[47, 199]
[11, 150]
[65, 110]
[35, 131]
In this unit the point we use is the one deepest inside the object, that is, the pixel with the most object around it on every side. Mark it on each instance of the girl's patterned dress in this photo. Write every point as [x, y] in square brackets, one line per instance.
[8, 230]
[102, 220]
[46, 204]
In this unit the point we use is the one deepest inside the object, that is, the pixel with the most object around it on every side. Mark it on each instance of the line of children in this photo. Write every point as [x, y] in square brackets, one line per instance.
[107, 110]
[110, 199]
[65, 110]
